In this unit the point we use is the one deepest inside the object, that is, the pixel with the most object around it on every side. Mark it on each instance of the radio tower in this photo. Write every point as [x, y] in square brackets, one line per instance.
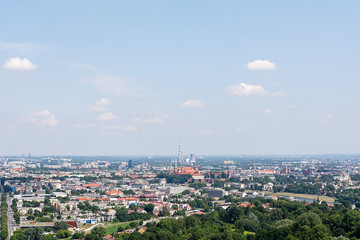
[179, 159]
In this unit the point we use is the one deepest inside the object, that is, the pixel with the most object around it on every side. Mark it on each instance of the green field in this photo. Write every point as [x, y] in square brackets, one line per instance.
[307, 196]
[111, 228]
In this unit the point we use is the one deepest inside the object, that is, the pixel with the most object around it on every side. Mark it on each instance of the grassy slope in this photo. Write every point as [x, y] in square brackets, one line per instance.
[111, 228]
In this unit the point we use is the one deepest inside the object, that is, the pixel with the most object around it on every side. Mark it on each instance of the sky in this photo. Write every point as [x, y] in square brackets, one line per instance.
[133, 77]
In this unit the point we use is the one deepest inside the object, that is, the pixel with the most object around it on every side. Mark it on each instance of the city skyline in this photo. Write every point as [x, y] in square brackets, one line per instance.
[126, 78]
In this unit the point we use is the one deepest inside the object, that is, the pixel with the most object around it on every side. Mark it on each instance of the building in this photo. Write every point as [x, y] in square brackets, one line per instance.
[192, 158]
[216, 193]
[185, 170]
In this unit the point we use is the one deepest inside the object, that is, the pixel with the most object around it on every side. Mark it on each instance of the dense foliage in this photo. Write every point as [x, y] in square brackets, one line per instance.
[171, 178]
[4, 217]
[279, 220]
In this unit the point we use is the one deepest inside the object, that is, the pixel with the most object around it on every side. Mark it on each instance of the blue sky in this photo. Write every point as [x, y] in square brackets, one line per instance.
[132, 77]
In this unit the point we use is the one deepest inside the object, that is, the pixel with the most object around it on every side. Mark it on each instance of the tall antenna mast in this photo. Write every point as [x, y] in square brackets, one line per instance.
[179, 159]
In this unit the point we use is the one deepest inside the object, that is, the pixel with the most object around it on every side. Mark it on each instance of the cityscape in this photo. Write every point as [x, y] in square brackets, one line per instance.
[118, 198]
[179, 120]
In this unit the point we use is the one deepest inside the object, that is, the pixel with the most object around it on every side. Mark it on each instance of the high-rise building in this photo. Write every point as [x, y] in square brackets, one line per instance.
[192, 158]
[130, 163]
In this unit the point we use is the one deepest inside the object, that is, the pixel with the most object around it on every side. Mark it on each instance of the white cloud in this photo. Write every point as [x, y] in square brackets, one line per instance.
[29, 119]
[153, 120]
[103, 102]
[329, 117]
[108, 116]
[12, 127]
[49, 122]
[168, 115]
[83, 66]
[267, 111]
[112, 85]
[22, 47]
[243, 89]
[100, 105]
[43, 113]
[17, 63]
[239, 130]
[192, 103]
[43, 118]
[261, 65]
[207, 132]
[110, 127]
[293, 106]
[278, 94]
[130, 128]
[135, 120]
[90, 125]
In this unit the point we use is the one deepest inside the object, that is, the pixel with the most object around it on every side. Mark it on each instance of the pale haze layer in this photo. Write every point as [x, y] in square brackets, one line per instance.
[132, 77]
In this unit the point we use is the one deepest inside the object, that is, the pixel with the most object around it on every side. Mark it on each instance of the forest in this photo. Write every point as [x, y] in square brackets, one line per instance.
[268, 220]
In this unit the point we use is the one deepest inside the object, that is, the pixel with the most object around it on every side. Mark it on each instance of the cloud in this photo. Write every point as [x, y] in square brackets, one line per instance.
[90, 125]
[191, 103]
[168, 115]
[135, 120]
[243, 89]
[293, 106]
[12, 127]
[42, 118]
[238, 130]
[153, 120]
[112, 85]
[43, 113]
[267, 111]
[100, 105]
[261, 65]
[278, 94]
[207, 132]
[130, 128]
[329, 117]
[17, 63]
[110, 127]
[83, 66]
[49, 122]
[22, 47]
[108, 116]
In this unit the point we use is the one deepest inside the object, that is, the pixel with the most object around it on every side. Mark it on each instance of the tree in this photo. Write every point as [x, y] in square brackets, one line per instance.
[133, 224]
[133, 206]
[7, 188]
[149, 208]
[98, 232]
[185, 192]
[164, 212]
[4, 234]
[50, 237]
[60, 226]
[77, 235]
[47, 200]
[63, 234]
[35, 233]
[17, 217]
[310, 219]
